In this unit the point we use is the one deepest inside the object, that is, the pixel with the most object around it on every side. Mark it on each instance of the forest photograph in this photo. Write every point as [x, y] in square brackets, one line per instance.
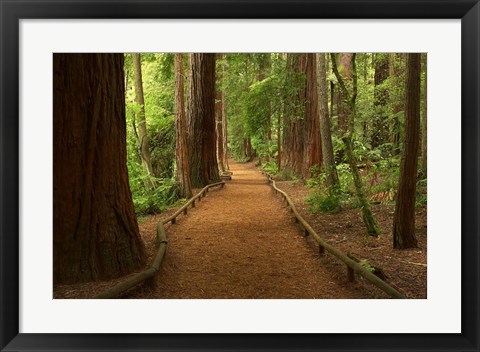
[240, 175]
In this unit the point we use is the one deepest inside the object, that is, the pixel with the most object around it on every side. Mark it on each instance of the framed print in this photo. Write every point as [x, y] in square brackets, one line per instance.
[267, 56]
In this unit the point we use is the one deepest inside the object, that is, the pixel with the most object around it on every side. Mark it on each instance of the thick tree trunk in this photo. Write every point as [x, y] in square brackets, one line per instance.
[181, 147]
[380, 127]
[201, 120]
[293, 136]
[424, 120]
[349, 70]
[95, 231]
[325, 126]
[404, 218]
[312, 148]
[344, 63]
[142, 123]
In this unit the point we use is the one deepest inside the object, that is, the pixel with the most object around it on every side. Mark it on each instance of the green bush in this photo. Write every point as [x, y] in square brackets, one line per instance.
[325, 201]
[270, 167]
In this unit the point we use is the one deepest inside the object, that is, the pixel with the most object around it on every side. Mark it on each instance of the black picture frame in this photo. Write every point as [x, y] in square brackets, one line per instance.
[12, 11]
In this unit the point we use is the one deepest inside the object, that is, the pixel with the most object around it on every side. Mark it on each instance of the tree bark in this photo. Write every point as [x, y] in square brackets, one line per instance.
[201, 120]
[312, 147]
[344, 63]
[142, 123]
[325, 126]
[404, 217]
[293, 135]
[95, 231]
[424, 120]
[181, 146]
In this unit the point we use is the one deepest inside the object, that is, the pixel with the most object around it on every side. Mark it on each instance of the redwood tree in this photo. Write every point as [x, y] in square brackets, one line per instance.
[293, 126]
[201, 120]
[181, 146]
[404, 217]
[312, 148]
[95, 231]
[325, 126]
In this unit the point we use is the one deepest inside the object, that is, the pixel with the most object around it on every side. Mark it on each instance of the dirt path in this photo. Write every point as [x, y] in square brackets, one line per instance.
[242, 242]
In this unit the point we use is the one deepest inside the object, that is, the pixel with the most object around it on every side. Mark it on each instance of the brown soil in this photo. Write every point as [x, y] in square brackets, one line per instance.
[242, 242]
[406, 270]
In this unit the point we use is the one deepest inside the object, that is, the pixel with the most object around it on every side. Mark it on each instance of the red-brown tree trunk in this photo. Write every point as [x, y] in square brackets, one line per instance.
[344, 63]
[95, 231]
[293, 145]
[404, 217]
[181, 147]
[312, 146]
[201, 120]
[325, 125]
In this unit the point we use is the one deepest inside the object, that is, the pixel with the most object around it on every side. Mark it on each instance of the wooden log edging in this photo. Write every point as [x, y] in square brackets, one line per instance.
[352, 266]
[162, 241]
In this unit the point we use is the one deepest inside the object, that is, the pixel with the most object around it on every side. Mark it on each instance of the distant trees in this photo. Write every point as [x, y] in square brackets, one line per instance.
[95, 231]
[201, 120]
[404, 217]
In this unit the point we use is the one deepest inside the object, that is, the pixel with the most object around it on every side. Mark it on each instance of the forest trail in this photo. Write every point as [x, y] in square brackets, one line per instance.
[242, 242]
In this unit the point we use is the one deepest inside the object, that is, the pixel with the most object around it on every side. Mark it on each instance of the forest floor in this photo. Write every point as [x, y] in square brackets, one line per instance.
[242, 242]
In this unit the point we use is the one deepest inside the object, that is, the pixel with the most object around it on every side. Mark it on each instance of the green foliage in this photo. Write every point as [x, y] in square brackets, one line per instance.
[158, 87]
[270, 167]
[325, 201]
[421, 198]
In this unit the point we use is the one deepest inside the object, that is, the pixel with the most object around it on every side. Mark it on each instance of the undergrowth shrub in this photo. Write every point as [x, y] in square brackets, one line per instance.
[325, 201]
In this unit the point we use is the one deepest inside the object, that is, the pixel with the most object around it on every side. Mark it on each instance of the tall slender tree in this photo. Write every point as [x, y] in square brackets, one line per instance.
[181, 147]
[325, 126]
[95, 231]
[348, 60]
[201, 120]
[224, 155]
[144, 145]
[404, 217]
[219, 119]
